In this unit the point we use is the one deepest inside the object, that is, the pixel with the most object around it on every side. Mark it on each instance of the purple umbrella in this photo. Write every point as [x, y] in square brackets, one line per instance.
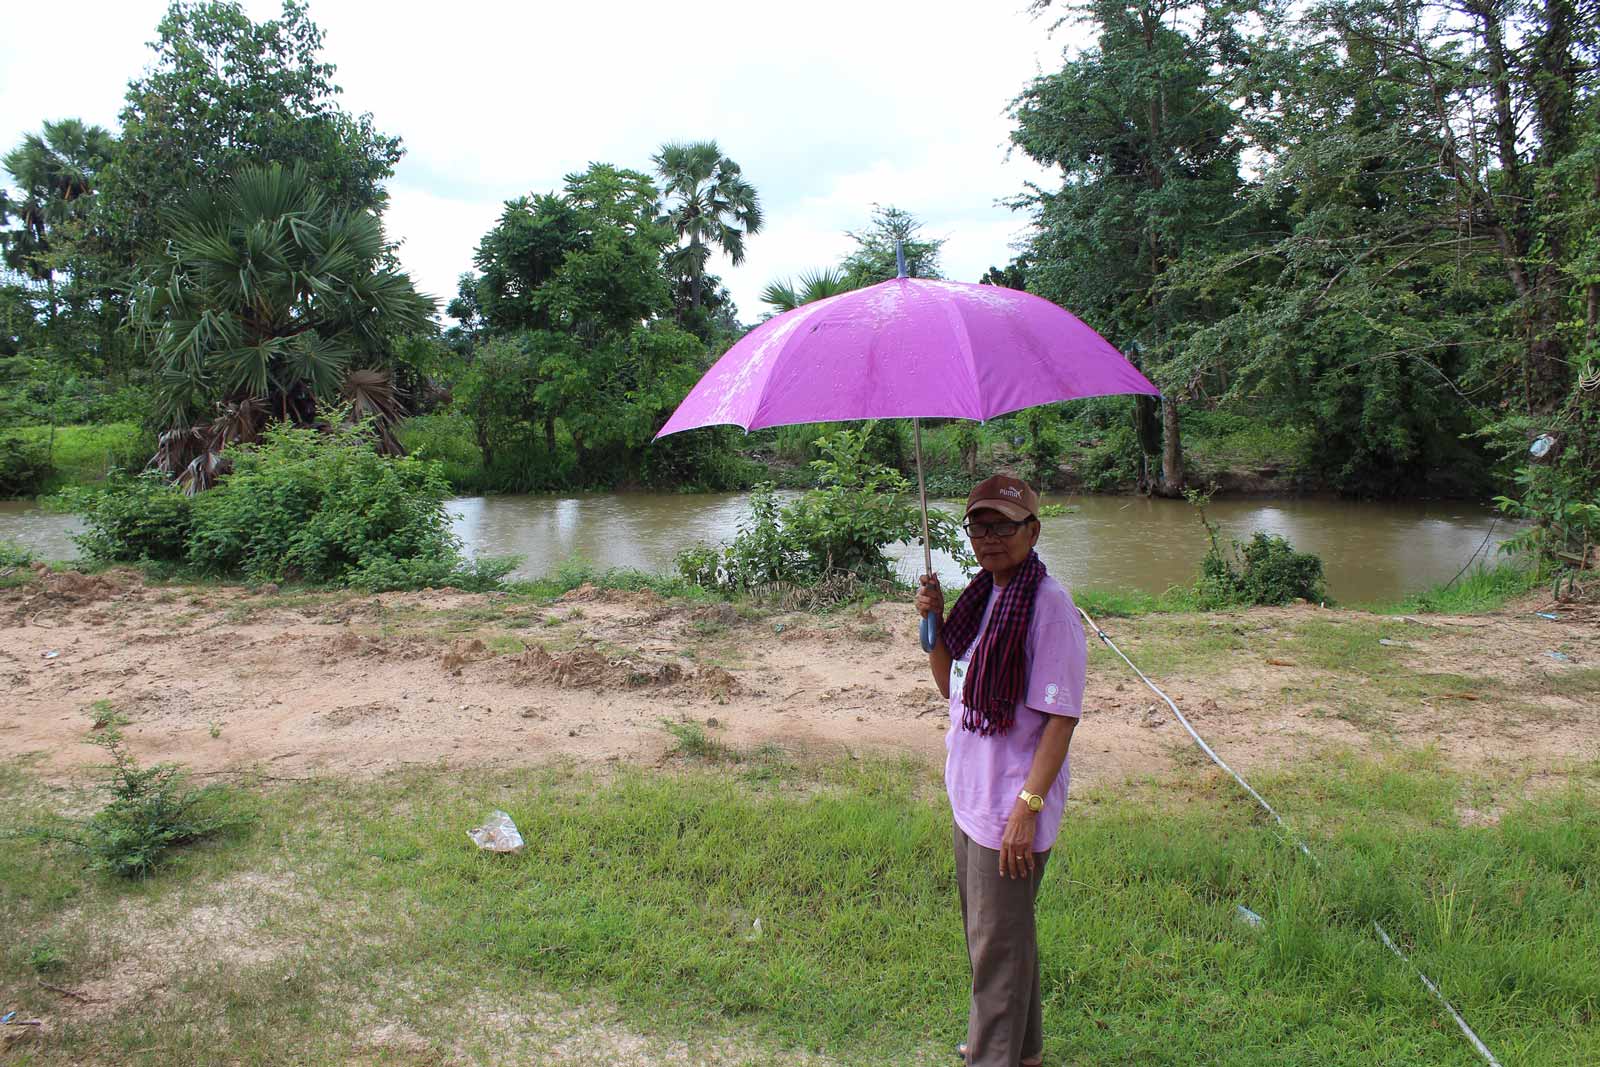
[907, 348]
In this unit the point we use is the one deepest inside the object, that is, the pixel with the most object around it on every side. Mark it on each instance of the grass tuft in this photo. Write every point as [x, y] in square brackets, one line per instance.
[1480, 590]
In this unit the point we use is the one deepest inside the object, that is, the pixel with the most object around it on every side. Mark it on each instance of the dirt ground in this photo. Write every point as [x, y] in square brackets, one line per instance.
[290, 685]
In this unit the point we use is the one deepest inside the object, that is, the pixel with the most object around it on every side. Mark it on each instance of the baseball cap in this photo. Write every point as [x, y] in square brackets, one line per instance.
[1009, 496]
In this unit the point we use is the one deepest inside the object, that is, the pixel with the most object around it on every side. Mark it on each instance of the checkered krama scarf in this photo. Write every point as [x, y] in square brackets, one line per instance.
[999, 668]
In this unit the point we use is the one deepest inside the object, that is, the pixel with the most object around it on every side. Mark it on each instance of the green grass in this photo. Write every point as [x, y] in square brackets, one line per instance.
[1479, 590]
[642, 890]
[81, 455]
[1215, 440]
[1576, 682]
[448, 439]
[576, 572]
[15, 564]
[1128, 604]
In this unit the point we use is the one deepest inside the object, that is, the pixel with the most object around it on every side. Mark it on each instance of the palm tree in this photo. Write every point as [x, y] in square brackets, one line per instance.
[815, 285]
[268, 303]
[55, 172]
[709, 203]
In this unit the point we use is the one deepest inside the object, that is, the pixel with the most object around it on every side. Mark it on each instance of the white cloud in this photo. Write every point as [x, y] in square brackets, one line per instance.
[829, 107]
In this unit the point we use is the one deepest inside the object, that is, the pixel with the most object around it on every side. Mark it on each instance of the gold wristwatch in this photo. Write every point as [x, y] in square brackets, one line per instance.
[1033, 800]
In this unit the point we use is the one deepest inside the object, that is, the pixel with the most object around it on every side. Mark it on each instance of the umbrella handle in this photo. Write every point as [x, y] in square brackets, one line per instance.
[930, 632]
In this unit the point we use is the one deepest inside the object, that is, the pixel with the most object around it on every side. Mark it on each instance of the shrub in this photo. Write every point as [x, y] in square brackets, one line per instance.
[136, 519]
[14, 555]
[306, 505]
[763, 551]
[24, 466]
[152, 811]
[700, 565]
[1266, 570]
[322, 508]
[1274, 573]
[856, 509]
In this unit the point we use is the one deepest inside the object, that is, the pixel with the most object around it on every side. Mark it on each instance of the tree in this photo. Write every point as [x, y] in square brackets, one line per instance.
[223, 93]
[568, 310]
[269, 301]
[57, 172]
[708, 204]
[813, 285]
[874, 258]
[1147, 144]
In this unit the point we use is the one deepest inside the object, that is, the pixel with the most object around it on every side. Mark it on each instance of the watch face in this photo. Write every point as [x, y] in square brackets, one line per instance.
[1035, 802]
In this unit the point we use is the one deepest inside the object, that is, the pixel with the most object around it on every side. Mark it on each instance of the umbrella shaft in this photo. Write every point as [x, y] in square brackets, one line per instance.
[922, 495]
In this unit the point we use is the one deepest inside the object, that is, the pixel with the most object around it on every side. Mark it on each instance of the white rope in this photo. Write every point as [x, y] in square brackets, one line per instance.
[1383, 935]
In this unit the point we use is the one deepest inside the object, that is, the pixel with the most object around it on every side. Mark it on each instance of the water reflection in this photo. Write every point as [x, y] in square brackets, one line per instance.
[1372, 551]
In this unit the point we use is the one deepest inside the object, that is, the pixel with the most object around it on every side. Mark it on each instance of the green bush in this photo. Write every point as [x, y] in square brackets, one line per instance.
[136, 519]
[1274, 573]
[857, 508]
[304, 505]
[24, 466]
[152, 811]
[14, 555]
[1265, 570]
[447, 440]
[763, 551]
[701, 565]
[322, 508]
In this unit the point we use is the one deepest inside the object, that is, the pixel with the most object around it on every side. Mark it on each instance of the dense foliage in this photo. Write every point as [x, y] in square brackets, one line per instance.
[300, 506]
[843, 524]
[268, 302]
[574, 355]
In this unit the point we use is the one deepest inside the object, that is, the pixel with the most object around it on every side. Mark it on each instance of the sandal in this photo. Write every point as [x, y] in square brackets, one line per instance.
[961, 1050]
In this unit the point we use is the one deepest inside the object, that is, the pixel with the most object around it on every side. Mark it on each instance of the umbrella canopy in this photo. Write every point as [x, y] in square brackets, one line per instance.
[907, 348]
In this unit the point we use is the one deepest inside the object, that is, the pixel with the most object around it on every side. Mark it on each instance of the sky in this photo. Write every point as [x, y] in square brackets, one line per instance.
[829, 107]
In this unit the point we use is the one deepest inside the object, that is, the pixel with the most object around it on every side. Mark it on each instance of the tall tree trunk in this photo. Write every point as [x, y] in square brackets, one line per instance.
[485, 444]
[1171, 449]
[550, 436]
[697, 270]
[1147, 432]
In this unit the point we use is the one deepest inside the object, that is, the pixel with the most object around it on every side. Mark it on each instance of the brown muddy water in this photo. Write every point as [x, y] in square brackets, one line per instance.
[1372, 551]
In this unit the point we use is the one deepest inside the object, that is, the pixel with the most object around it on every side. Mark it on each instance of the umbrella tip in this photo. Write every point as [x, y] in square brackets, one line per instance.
[900, 258]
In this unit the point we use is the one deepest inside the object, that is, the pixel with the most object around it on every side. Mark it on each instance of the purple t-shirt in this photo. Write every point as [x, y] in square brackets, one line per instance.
[983, 775]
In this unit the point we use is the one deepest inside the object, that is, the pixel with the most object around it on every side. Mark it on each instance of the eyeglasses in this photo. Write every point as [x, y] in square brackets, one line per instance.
[979, 530]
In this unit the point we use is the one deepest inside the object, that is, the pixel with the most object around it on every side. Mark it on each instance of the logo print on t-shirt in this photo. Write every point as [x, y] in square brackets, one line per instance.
[1050, 692]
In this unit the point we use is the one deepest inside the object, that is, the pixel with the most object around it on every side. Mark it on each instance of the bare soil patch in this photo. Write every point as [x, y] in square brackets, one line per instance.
[223, 679]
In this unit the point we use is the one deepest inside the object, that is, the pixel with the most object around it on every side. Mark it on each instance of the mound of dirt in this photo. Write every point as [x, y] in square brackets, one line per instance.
[712, 682]
[65, 590]
[463, 652]
[350, 645]
[584, 668]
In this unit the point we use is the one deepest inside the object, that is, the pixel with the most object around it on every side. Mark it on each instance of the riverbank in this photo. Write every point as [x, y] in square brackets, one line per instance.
[1091, 453]
[689, 768]
[1371, 551]
[222, 678]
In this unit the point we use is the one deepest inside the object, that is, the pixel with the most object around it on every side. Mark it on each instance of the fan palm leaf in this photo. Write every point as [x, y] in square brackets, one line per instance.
[267, 295]
[708, 203]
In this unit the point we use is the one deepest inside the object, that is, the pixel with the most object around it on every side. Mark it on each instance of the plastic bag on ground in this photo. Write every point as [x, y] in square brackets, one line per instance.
[499, 834]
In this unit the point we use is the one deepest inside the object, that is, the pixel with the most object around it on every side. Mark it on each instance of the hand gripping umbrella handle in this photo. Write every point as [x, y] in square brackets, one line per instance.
[930, 632]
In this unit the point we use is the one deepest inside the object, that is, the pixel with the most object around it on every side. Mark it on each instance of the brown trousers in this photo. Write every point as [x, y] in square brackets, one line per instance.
[1004, 1026]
